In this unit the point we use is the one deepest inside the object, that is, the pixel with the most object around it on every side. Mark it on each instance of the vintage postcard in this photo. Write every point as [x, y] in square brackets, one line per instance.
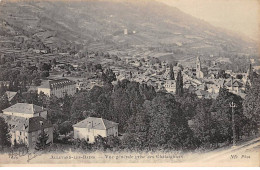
[129, 83]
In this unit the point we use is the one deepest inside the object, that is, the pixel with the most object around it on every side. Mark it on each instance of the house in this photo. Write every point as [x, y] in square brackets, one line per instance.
[202, 94]
[91, 127]
[12, 96]
[25, 110]
[58, 88]
[234, 85]
[170, 86]
[26, 130]
[5, 84]
[26, 122]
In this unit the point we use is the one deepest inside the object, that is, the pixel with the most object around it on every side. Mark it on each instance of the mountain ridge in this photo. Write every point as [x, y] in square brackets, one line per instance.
[58, 23]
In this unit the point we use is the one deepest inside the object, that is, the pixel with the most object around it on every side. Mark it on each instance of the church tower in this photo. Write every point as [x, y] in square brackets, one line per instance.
[198, 68]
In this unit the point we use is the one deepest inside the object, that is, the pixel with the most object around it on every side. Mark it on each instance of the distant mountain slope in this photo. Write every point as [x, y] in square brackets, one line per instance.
[100, 23]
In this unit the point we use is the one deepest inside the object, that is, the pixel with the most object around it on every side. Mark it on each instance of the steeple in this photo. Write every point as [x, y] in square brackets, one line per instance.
[198, 64]
[198, 68]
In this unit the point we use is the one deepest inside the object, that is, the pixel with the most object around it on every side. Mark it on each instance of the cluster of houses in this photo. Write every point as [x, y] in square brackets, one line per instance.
[27, 121]
[204, 82]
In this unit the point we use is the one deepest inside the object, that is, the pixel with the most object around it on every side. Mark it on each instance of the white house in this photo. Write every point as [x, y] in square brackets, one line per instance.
[26, 122]
[91, 127]
[25, 110]
[58, 88]
[170, 86]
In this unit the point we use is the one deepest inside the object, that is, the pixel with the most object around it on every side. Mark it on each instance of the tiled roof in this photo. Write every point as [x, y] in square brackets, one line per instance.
[236, 83]
[26, 124]
[10, 95]
[24, 108]
[95, 123]
[57, 83]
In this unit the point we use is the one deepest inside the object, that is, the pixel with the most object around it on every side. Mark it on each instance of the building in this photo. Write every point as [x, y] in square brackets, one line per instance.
[170, 86]
[5, 84]
[58, 88]
[91, 127]
[12, 96]
[125, 32]
[26, 122]
[235, 86]
[199, 73]
[25, 110]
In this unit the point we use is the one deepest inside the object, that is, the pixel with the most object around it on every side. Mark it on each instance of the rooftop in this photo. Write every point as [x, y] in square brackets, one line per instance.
[10, 95]
[24, 108]
[95, 123]
[57, 83]
[26, 124]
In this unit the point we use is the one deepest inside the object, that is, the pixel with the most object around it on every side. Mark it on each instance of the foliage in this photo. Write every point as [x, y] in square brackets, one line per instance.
[171, 73]
[4, 133]
[223, 115]
[42, 141]
[179, 84]
[65, 127]
[108, 76]
[4, 103]
[251, 105]
[168, 127]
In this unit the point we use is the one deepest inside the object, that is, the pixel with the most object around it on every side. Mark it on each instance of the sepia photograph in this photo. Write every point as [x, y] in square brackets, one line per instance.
[122, 83]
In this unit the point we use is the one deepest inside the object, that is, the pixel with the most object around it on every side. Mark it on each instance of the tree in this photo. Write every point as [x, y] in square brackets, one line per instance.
[100, 143]
[29, 97]
[168, 128]
[171, 73]
[251, 73]
[4, 103]
[137, 129]
[42, 141]
[188, 103]
[108, 76]
[4, 133]
[66, 106]
[113, 142]
[247, 87]
[179, 84]
[202, 125]
[223, 115]
[2, 89]
[44, 67]
[45, 74]
[65, 128]
[251, 105]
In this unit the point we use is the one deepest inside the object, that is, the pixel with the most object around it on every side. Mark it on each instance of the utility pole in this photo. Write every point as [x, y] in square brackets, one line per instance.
[233, 105]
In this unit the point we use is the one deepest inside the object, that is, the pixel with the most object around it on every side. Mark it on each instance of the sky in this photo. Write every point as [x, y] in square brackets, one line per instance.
[240, 16]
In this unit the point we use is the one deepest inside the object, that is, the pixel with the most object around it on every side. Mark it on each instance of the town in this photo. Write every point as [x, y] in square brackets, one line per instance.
[124, 91]
[29, 122]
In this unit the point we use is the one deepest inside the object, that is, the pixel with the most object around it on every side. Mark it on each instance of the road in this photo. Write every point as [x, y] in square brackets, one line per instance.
[245, 154]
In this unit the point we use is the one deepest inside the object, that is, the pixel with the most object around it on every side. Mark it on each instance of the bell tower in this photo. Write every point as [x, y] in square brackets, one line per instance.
[198, 68]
